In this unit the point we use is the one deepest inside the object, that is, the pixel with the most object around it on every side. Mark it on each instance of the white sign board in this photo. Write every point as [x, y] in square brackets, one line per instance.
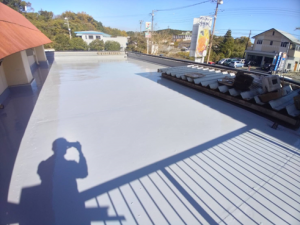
[148, 26]
[200, 36]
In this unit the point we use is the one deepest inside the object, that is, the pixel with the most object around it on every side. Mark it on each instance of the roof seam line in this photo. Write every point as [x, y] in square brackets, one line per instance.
[21, 25]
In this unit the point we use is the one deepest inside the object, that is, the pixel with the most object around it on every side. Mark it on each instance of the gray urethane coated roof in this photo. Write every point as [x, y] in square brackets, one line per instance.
[155, 152]
[286, 34]
[91, 32]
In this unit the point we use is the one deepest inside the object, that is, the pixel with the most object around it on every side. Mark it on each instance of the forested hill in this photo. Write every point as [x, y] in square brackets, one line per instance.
[52, 26]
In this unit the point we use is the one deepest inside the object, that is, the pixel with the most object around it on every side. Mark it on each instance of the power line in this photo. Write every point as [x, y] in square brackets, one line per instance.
[182, 7]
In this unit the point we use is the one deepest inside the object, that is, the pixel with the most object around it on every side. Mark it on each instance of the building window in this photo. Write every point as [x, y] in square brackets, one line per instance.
[289, 66]
[297, 48]
[91, 37]
[273, 33]
[271, 42]
[98, 37]
[259, 42]
[283, 44]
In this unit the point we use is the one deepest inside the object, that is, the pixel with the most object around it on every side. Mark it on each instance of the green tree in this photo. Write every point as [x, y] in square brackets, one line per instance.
[112, 46]
[18, 5]
[138, 43]
[227, 45]
[97, 45]
[62, 42]
[78, 44]
[130, 33]
[48, 15]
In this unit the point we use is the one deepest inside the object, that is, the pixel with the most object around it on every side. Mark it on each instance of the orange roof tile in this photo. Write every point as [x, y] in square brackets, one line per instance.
[17, 33]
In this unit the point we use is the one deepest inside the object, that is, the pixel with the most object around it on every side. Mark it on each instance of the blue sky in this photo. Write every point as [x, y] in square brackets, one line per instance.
[240, 16]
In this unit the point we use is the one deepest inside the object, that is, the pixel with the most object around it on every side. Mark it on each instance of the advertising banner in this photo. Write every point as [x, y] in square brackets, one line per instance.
[148, 26]
[200, 36]
[282, 61]
[278, 61]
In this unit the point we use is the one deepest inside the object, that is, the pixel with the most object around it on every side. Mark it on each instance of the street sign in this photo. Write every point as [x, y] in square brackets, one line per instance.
[147, 35]
[148, 26]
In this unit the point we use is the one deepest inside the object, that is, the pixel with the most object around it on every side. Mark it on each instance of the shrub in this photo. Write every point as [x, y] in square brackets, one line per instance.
[97, 45]
[112, 46]
[78, 44]
[62, 42]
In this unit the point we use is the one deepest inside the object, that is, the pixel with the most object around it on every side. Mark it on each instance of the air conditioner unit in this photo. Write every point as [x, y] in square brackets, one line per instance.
[270, 83]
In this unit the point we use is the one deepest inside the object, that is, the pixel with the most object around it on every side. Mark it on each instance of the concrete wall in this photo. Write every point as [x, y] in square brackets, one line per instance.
[31, 60]
[292, 61]
[3, 82]
[16, 68]
[40, 54]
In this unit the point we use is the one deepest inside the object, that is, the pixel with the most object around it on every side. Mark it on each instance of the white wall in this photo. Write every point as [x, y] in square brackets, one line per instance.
[16, 68]
[40, 53]
[3, 82]
[292, 60]
[122, 40]
[31, 60]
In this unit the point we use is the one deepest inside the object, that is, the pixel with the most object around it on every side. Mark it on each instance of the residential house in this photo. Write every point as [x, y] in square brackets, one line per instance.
[89, 36]
[269, 43]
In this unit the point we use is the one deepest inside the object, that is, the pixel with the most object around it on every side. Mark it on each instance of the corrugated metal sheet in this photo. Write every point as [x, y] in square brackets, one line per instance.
[211, 79]
[17, 33]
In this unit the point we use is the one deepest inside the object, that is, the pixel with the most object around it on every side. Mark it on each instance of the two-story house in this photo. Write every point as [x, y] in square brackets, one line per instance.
[267, 44]
[89, 36]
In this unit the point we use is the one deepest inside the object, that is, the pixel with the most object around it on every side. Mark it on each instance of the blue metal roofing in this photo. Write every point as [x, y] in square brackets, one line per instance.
[91, 32]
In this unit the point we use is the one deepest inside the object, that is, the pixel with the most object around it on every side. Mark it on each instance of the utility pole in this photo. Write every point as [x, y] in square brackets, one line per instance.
[247, 44]
[212, 35]
[287, 56]
[66, 18]
[152, 14]
[141, 21]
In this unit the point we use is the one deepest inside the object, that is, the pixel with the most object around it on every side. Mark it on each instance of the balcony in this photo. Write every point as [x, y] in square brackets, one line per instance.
[294, 53]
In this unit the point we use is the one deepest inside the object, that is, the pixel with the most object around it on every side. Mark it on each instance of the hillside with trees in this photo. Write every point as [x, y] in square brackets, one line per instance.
[55, 27]
[222, 47]
[228, 47]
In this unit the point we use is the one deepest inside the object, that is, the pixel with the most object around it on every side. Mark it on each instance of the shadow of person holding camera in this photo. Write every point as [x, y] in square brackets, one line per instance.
[56, 200]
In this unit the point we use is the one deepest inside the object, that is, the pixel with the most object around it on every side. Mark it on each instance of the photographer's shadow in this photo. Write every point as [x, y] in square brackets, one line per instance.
[57, 200]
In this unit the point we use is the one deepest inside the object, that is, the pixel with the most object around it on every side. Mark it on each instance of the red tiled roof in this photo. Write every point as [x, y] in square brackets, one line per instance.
[17, 33]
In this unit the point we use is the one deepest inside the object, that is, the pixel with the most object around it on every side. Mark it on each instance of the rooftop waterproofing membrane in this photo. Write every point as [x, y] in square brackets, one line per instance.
[152, 152]
[17, 33]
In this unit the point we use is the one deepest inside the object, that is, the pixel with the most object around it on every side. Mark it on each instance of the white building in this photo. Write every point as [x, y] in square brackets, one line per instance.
[269, 43]
[89, 36]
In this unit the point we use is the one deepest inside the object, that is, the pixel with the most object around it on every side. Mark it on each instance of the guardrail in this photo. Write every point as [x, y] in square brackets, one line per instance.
[181, 62]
